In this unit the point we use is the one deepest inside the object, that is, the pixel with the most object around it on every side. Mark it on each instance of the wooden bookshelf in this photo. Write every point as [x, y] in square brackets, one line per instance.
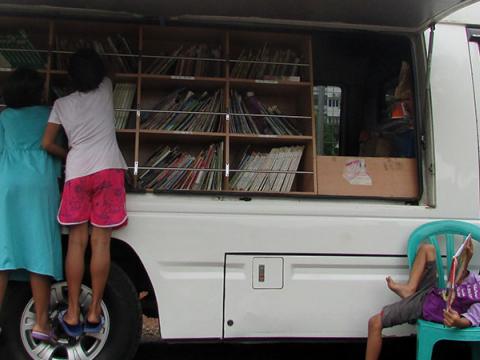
[160, 60]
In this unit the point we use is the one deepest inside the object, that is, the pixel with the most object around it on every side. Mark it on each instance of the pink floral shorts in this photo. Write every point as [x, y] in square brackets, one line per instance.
[98, 198]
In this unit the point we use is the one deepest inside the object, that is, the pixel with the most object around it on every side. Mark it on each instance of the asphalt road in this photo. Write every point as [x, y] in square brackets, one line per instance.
[394, 349]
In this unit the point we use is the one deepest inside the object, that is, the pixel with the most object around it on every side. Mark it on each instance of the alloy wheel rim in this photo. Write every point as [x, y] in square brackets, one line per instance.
[84, 347]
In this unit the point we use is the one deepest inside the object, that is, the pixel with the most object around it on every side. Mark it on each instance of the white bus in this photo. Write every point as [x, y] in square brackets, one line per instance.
[242, 265]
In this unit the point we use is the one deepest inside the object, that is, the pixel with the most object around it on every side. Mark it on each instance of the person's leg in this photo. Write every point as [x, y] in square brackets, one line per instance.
[374, 341]
[3, 285]
[425, 253]
[41, 295]
[74, 269]
[99, 269]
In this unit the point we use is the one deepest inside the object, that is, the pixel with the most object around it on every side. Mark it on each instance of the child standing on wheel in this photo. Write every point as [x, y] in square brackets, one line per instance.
[94, 192]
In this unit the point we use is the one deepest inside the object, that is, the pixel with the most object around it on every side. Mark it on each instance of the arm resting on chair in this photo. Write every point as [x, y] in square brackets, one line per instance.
[453, 319]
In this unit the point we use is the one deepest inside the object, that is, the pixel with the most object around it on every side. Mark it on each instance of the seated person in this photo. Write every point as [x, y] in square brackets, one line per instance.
[422, 299]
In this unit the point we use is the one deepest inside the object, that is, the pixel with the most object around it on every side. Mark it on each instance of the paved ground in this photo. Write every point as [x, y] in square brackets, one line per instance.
[399, 350]
[394, 349]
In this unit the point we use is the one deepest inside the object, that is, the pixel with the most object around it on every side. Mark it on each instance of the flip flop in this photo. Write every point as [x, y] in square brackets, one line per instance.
[94, 328]
[41, 336]
[70, 330]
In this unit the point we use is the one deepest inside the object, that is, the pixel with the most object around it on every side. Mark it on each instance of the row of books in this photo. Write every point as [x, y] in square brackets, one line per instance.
[197, 177]
[123, 96]
[181, 110]
[187, 101]
[253, 64]
[247, 124]
[278, 168]
[115, 44]
[179, 62]
[242, 108]
[182, 61]
[23, 52]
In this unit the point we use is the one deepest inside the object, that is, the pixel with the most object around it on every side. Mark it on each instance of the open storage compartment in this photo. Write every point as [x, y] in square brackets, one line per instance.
[319, 113]
[366, 120]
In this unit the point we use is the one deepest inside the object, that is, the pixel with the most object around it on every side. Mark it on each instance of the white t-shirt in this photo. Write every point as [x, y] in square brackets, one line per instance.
[88, 120]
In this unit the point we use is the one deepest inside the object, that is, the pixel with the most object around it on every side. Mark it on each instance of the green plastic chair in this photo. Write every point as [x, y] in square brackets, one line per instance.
[428, 333]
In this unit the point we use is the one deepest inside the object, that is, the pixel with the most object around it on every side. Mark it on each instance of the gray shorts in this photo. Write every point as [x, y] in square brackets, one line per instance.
[410, 309]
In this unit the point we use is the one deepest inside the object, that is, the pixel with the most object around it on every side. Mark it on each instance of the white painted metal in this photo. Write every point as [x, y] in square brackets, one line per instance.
[332, 304]
[469, 15]
[183, 241]
[475, 61]
[454, 122]
[406, 15]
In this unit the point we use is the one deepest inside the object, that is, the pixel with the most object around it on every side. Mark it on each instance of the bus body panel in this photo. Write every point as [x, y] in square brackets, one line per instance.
[198, 250]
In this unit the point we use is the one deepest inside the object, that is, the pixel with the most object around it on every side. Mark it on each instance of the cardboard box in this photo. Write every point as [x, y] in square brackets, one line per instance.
[367, 177]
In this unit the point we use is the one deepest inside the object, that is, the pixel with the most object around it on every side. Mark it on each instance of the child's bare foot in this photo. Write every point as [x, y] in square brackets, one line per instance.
[401, 290]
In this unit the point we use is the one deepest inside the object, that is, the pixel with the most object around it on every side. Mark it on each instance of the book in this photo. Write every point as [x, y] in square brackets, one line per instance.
[272, 171]
[182, 110]
[267, 63]
[294, 164]
[173, 169]
[273, 122]
[123, 96]
[116, 45]
[19, 51]
[454, 275]
[182, 61]
[282, 78]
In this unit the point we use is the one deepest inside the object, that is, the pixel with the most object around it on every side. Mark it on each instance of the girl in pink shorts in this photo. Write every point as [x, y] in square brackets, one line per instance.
[94, 189]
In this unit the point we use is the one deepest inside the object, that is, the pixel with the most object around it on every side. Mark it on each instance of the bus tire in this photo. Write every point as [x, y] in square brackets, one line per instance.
[122, 329]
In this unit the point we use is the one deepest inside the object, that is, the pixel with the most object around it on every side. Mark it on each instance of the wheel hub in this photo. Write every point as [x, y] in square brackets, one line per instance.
[84, 347]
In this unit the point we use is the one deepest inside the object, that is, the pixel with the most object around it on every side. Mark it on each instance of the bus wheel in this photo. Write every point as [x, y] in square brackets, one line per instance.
[118, 339]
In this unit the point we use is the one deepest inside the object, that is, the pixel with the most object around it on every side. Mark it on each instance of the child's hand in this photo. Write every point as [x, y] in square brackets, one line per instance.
[451, 318]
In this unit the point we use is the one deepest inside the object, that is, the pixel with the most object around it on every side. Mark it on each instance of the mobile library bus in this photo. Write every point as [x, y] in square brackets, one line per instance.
[280, 154]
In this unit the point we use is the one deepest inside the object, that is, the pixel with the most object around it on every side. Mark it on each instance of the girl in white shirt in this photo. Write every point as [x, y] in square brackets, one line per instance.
[94, 191]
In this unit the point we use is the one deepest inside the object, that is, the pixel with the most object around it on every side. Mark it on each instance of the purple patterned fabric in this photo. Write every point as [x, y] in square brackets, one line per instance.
[466, 303]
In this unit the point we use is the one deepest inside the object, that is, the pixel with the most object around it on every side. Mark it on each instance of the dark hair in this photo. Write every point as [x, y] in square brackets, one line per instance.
[24, 87]
[86, 70]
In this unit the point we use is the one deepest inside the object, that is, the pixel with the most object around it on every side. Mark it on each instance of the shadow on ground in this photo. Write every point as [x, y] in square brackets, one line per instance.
[401, 349]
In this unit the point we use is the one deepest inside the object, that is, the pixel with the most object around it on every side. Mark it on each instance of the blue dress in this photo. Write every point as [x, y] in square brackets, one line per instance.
[29, 196]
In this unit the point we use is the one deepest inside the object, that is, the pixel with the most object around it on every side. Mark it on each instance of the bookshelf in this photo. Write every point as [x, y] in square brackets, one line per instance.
[202, 100]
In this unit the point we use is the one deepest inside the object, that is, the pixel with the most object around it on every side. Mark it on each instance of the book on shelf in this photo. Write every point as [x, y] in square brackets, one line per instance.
[294, 78]
[269, 172]
[267, 63]
[121, 58]
[173, 169]
[181, 110]
[4, 62]
[18, 50]
[241, 121]
[273, 123]
[296, 156]
[123, 97]
[188, 60]
[119, 44]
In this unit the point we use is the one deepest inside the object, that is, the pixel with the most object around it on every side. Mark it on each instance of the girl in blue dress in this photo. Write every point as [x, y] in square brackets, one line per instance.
[30, 243]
